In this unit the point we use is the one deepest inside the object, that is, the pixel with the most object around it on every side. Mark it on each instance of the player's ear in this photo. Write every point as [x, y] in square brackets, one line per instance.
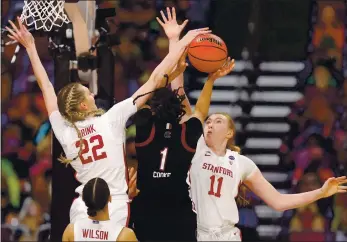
[230, 134]
[83, 106]
[109, 199]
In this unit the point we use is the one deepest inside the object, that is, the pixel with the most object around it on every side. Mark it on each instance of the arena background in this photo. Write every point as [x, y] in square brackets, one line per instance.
[288, 95]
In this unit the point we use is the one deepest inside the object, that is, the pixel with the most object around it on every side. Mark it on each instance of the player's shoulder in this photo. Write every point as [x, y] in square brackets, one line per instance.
[126, 234]
[69, 233]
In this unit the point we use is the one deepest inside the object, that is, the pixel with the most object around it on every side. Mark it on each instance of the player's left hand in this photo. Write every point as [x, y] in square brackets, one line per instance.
[171, 27]
[132, 187]
[224, 70]
[334, 185]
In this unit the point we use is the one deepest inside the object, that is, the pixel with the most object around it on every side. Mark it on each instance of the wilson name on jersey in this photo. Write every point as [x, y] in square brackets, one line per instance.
[91, 230]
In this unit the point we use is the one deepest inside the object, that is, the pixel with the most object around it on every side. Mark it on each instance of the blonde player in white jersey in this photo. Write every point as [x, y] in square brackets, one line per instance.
[216, 172]
[97, 226]
[93, 141]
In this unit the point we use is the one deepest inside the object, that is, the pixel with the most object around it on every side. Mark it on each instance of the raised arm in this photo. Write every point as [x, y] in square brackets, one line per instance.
[281, 202]
[173, 30]
[203, 104]
[23, 36]
[156, 79]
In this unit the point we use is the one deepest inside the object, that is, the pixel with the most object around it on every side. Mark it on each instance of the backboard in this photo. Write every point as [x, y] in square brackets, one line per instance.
[88, 10]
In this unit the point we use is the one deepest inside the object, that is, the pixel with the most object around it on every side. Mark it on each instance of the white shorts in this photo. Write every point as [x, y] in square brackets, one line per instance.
[227, 233]
[119, 210]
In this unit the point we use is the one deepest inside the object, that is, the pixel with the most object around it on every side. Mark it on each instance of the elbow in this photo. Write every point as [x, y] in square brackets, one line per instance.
[278, 208]
[278, 205]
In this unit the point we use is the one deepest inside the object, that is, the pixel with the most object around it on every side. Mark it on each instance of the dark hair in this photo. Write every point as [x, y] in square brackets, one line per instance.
[95, 195]
[167, 104]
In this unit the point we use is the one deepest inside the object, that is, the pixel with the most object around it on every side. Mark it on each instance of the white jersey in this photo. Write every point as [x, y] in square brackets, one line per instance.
[103, 153]
[214, 183]
[91, 230]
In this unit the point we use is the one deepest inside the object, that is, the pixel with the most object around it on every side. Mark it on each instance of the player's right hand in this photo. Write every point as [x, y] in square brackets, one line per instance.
[224, 70]
[185, 41]
[171, 27]
[21, 34]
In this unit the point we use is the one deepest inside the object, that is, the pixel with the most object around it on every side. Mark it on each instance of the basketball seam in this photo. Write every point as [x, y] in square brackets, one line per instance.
[207, 46]
[205, 60]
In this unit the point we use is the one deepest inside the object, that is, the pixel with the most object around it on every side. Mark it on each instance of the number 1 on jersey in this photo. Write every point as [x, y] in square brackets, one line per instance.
[219, 187]
[163, 159]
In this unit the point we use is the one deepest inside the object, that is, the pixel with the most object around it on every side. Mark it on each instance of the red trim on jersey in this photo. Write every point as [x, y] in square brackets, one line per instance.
[183, 139]
[149, 140]
[128, 218]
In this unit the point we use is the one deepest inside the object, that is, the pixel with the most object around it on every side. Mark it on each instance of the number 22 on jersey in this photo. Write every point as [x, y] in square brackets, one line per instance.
[96, 143]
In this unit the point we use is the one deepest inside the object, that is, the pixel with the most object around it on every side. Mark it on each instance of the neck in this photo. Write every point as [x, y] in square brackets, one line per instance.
[101, 216]
[219, 149]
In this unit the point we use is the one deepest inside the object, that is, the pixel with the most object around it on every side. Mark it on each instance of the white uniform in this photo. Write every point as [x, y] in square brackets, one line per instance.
[103, 155]
[214, 183]
[90, 230]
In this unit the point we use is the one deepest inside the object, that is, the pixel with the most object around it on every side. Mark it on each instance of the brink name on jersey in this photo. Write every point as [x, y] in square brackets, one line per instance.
[217, 169]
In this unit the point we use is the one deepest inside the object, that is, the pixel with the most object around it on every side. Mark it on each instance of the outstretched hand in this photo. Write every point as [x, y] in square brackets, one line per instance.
[334, 185]
[171, 27]
[224, 70]
[185, 41]
[21, 34]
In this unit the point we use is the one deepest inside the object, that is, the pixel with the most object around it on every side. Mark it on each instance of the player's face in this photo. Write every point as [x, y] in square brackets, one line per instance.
[89, 102]
[216, 129]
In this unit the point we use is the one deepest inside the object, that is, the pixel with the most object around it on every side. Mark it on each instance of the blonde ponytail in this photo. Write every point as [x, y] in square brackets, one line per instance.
[69, 98]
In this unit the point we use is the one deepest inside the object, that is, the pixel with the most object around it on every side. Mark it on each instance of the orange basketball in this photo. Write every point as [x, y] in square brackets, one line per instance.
[207, 53]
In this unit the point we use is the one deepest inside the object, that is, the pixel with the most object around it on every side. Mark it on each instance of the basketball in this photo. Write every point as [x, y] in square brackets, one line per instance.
[207, 53]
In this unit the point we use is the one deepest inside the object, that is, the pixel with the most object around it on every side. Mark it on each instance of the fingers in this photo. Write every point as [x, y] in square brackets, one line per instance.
[342, 187]
[163, 16]
[173, 13]
[183, 25]
[11, 37]
[341, 191]
[133, 179]
[14, 35]
[14, 26]
[21, 26]
[204, 32]
[160, 22]
[169, 17]
[341, 178]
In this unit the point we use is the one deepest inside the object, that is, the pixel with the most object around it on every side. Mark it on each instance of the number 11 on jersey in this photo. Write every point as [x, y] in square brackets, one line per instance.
[219, 186]
[163, 159]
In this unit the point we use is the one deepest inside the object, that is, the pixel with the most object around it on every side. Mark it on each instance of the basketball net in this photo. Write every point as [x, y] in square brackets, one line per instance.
[44, 14]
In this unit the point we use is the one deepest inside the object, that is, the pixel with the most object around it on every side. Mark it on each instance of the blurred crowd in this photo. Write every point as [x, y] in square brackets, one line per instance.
[316, 147]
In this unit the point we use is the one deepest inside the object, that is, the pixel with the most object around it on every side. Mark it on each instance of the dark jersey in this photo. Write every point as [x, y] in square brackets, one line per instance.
[164, 152]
